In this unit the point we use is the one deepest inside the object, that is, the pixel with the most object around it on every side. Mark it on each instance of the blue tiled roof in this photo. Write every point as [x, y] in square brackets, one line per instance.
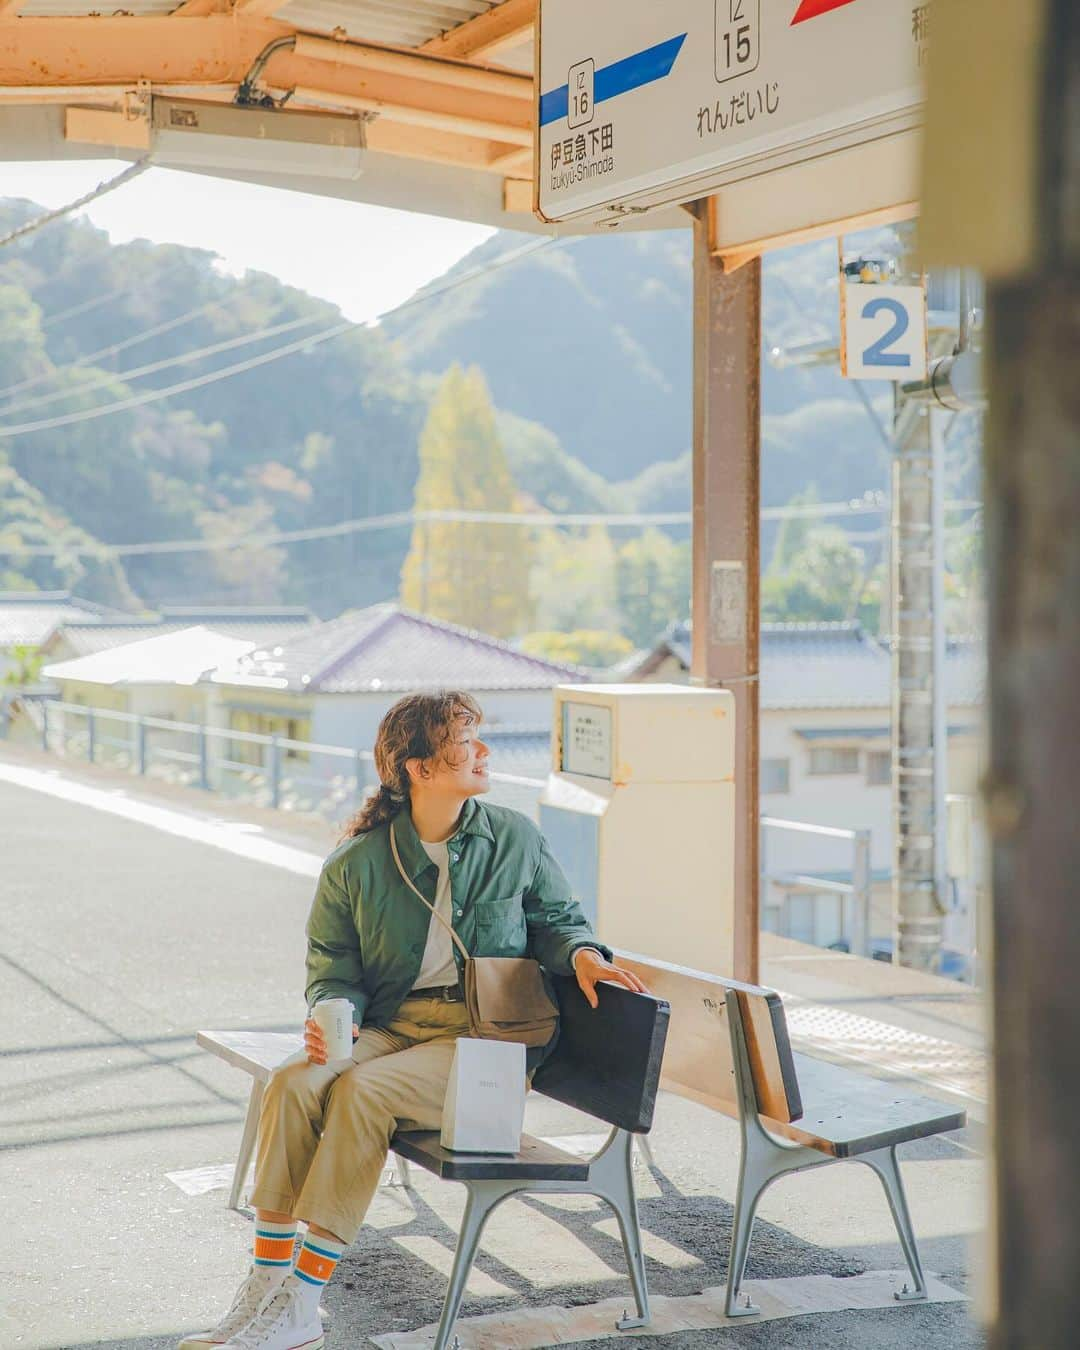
[823, 665]
[389, 649]
[29, 617]
[87, 639]
[837, 665]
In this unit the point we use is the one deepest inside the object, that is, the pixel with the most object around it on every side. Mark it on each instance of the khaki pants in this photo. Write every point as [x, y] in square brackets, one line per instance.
[324, 1134]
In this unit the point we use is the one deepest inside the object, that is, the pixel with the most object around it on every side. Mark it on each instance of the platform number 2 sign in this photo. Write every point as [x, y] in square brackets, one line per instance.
[882, 332]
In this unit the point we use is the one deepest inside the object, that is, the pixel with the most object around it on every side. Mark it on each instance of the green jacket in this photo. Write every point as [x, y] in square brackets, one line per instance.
[367, 931]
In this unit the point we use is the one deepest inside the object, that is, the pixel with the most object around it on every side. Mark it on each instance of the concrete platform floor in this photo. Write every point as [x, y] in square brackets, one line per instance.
[118, 939]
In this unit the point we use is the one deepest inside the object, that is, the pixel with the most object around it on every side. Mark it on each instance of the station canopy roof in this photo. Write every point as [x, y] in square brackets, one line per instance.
[424, 105]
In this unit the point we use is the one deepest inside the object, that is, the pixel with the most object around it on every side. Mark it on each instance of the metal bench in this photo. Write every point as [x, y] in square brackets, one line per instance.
[607, 1064]
[730, 1050]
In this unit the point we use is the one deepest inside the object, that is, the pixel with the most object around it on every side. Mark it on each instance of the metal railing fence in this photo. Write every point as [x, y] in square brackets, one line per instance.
[264, 770]
[332, 781]
[855, 894]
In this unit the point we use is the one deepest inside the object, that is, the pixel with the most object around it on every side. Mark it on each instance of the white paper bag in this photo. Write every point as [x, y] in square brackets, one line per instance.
[484, 1109]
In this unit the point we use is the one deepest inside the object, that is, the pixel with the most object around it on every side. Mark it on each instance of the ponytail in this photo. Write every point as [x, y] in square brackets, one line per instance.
[381, 806]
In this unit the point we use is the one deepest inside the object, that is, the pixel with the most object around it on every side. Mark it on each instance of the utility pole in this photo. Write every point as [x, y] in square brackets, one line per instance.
[919, 703]
[916, 629]
[917, 913]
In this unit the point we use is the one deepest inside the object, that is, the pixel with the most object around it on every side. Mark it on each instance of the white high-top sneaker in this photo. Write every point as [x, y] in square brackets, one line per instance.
[256, 1285]
[287, 1320]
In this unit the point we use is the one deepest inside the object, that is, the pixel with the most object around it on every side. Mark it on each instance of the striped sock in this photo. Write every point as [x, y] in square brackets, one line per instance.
[274, 1243]
[316, 1261]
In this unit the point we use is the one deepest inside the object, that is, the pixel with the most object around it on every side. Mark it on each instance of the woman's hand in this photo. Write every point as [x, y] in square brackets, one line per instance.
[315, 1041]
[590, 967]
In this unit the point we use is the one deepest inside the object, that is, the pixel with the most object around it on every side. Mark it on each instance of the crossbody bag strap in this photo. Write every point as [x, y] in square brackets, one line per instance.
[419, 894]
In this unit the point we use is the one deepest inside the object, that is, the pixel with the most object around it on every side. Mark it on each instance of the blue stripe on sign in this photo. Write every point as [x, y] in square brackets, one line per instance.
[654, 63]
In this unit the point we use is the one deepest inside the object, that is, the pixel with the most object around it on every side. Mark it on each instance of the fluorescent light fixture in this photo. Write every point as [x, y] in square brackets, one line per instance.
[192, 135]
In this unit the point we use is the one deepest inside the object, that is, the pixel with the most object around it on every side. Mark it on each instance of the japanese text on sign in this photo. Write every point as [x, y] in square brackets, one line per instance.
[586, 740]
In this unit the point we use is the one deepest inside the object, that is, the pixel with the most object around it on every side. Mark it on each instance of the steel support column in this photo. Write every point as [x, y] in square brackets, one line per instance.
[726, 543]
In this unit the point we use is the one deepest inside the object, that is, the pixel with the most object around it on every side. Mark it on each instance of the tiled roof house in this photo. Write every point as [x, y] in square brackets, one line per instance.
[825, 744]
[341, 676]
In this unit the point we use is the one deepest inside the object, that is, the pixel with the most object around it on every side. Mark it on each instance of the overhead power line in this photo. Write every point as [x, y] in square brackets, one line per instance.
[96, 301]
[184, 358]
[311, 340]
[109, 185]
[113, 349]
[402, 519]
[156, 395]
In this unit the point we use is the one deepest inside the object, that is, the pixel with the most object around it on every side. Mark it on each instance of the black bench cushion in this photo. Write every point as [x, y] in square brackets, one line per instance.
[847, 1112]
[607, 1062]
[537, 1161]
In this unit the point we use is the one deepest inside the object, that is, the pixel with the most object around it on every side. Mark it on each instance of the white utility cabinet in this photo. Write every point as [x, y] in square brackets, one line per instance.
[639, 809]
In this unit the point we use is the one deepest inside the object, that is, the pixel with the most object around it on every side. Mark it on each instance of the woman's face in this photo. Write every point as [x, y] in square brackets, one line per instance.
[461, 770]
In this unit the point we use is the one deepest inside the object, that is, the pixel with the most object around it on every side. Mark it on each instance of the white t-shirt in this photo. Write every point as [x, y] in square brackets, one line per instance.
[438, 965]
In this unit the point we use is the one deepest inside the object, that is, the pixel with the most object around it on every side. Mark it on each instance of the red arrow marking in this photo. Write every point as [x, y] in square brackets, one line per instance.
[810, 9]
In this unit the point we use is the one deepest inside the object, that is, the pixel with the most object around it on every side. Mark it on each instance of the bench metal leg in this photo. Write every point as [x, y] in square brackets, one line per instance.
[764, 1157]
[482, 1198]
[611, 1177]
[645, 1145]
[402, 1171]
[884, 1163]
[742, 1226]
[247, 1143]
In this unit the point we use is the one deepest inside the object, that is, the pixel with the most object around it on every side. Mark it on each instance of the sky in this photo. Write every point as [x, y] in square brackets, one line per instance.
[366, 259]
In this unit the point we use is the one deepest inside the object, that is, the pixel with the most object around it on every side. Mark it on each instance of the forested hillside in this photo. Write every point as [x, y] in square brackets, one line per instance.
[585, 346]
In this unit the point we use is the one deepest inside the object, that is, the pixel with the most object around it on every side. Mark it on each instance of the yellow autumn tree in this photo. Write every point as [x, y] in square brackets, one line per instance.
[467, 572]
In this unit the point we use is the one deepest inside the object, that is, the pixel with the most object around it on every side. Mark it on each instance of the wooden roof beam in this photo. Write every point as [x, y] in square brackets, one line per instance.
[258, 8]
[483, 38]
[219, 50]
[197, 9]
[391, 61]
[458, 121]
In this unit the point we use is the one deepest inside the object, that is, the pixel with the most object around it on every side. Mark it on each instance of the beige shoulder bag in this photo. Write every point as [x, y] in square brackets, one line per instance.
[505, 996]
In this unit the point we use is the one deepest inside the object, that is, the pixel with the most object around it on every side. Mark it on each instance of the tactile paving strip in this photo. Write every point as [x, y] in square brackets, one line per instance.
[818, 1028]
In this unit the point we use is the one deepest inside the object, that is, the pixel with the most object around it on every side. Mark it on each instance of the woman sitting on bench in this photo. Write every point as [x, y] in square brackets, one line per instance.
[324, 1133]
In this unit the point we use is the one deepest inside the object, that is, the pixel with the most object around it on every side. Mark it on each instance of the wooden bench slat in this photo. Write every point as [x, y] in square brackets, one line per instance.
[537, 1161]
[697, 1059]
[256, 1052]
[847, 1112]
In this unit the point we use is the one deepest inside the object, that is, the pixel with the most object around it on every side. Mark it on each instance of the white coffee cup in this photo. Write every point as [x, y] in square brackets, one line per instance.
[335, 1020]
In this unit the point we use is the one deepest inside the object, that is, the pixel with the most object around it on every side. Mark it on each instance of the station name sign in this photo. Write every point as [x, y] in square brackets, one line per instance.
[644, 104]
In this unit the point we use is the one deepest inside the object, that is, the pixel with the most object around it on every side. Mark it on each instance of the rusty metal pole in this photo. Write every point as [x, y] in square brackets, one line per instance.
[1033, 783]
[726, 544]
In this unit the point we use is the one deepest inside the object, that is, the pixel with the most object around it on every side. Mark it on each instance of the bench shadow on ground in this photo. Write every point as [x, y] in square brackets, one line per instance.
[382, 1287]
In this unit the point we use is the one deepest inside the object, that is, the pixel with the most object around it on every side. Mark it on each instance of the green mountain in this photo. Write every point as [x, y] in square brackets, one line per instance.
[323, 433]
[591, 339]
[585, 344]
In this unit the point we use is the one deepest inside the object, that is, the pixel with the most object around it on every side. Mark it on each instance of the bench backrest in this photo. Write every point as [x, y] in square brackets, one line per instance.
[608, 1060]
[698, 1062]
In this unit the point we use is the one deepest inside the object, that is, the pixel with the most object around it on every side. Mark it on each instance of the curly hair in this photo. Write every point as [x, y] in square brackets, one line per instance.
[418, 726]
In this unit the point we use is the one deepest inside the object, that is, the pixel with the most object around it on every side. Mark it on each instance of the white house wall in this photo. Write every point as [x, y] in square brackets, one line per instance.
[843, 800]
